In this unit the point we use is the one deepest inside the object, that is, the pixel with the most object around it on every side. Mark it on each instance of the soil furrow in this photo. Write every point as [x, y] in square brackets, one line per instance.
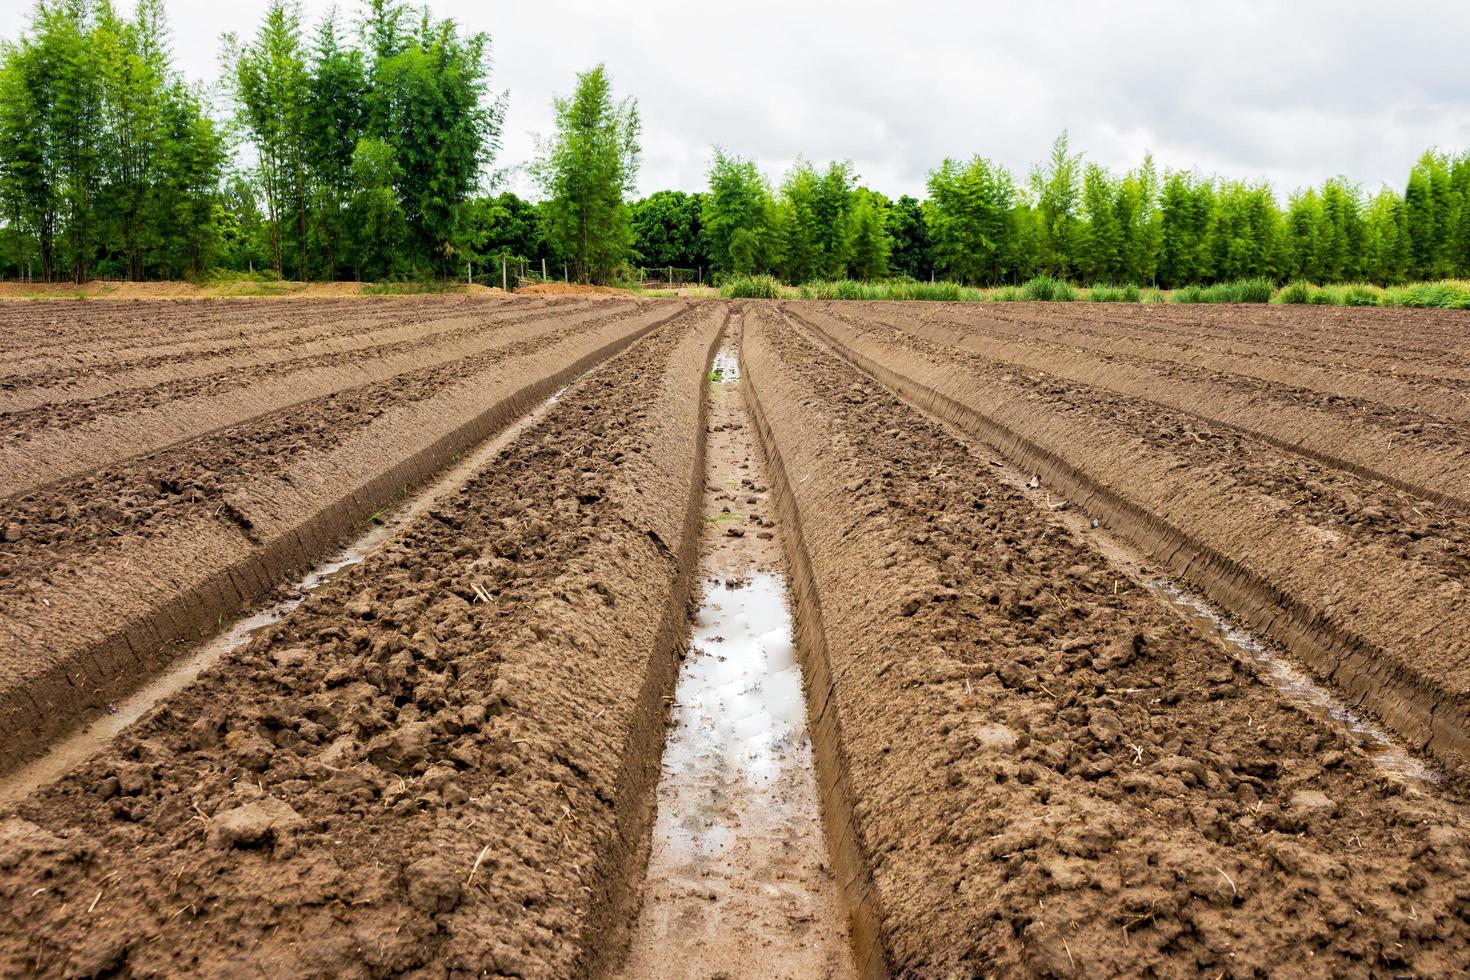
[31, 457]
[1349, 592]
[245, 360]
[1046, 771]
[168, 548]
[443, 761]
[1431, 459]
[738, 880]
[1167, 355]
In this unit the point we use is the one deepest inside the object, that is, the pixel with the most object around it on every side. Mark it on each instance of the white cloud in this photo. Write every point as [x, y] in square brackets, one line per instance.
[1288, 91]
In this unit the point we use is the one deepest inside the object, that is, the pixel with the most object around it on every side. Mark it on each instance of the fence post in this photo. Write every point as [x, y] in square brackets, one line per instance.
[469, 273]
[543, 270]
[504, 285]
[564, 276]
[671, 277]
[701, 274]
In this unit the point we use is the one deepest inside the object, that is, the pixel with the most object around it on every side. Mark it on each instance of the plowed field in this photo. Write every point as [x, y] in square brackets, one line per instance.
[1015, 756]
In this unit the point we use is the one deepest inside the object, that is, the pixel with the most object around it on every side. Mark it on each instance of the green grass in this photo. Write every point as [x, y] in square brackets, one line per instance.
[888, 289]
[1257, 290]
[1128, 293]
[1450, 294]
[751, 287]
[1447, 294]
[1049, 290]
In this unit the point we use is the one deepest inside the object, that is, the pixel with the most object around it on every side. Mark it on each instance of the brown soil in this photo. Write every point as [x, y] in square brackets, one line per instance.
[569, 289]
[446, 760]
[243, 289]
[1047, 772]
[410, 770]
[228, 516]
[738, 882]
[1363, 581]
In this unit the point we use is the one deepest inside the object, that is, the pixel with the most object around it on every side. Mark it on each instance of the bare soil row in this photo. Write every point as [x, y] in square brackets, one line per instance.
[104, 577]
[1426, 341]
[443, 760]
[1365, 583]
[1160, 342]
[1424, 452]
[1031, 767]
[58, 439]
[88, 375]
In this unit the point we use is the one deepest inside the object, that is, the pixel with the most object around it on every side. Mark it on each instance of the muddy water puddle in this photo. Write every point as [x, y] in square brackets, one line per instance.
[738, 883]
[71, 751]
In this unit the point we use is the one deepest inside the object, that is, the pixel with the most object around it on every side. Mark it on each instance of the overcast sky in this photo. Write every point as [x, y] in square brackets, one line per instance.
[1292, 91]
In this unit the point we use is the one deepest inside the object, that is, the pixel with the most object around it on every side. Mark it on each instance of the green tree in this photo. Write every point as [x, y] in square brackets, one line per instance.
[667, 230]
[1101, 254]
[336, 111]
[1057, 190]
[375, 219]
[587, 170]
[429, 101]
[504, 226]
[738, 215]
[910, 238]
[269, 82]
[1186, 210]
[969, 220]
[869, 245]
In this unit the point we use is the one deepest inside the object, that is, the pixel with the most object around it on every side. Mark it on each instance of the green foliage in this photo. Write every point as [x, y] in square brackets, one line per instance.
[969, 220]
[375, 220]
[108, 162]
[667, 230]
[1443, 295]
[888, 289]
[738, 215]
[1048, 289]
[750, 287]
[1256, 290]
[1296, 291]
[587, 171]
[502, 226]
[1114, 294]
[909, 237]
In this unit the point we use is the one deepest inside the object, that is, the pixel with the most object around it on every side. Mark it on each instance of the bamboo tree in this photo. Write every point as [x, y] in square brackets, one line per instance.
[587, 170]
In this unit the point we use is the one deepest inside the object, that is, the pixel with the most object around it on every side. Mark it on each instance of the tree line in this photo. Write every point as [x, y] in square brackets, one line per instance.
[361, 148]
[1073, 220]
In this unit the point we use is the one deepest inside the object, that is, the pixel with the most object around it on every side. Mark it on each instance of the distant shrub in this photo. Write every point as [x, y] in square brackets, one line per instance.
[750, 287]
[1448, 294]
[1048, 289]
[1109, 293]
[1361, 294]
[1295, 291]
[1256, 290]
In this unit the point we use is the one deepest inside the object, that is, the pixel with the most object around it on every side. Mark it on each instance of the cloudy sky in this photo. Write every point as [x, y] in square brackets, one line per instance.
[1291, 91]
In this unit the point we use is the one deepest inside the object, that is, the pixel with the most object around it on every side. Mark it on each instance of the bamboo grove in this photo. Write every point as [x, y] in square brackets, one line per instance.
[361, 147]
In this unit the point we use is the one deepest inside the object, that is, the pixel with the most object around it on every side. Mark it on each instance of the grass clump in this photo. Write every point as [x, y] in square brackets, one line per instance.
[1296, 292]
[750, 287]
[1255, 290]
[1109, 293]
[1048, 289]
[1447, 294]
[1005, 294]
